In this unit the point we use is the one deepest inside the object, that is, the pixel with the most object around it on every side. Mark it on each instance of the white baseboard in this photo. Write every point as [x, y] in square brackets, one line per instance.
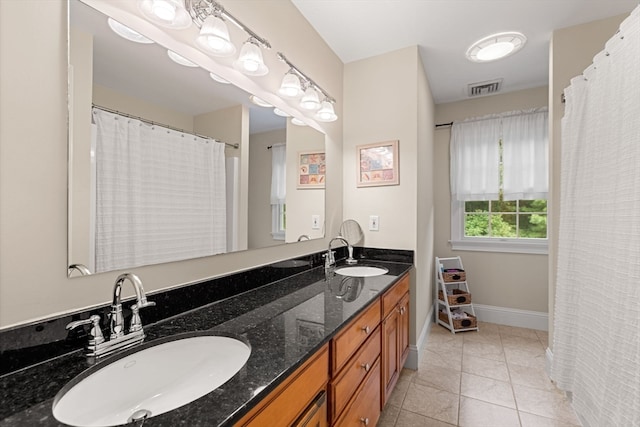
[512, 317]
[414, 350]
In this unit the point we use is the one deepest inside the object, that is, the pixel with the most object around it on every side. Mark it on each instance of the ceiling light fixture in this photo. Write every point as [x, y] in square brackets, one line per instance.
[167, 13]
[290, 86]
[214, 33]
[250, 61]
[496, 46]
[310, 100]
[127, 33]
[180, 59]
[326, 112]
[214, 37]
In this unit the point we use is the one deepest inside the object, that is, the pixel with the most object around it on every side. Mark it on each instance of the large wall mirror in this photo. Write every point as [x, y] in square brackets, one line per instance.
[132, 198]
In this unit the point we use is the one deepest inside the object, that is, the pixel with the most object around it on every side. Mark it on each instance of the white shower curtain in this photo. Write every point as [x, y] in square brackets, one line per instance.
[160, 194]
[596, 346]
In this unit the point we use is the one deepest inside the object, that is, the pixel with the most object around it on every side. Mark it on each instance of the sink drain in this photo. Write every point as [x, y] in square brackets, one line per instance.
[139, 416]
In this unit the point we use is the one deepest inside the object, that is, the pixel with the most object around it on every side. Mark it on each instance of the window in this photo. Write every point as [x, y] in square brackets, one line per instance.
[278, 191]
[499, 183]
[279, 221]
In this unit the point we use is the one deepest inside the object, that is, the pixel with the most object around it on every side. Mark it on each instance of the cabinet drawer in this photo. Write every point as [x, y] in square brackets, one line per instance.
[364, 409]
[289, 400]
[355, 370]
[393, 295]
[353, 335]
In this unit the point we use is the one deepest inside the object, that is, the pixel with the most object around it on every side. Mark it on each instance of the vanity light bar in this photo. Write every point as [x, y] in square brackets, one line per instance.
[305, 78]
[201, 9]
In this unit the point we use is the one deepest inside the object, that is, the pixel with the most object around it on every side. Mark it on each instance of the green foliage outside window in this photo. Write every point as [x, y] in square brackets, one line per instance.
[510, 219]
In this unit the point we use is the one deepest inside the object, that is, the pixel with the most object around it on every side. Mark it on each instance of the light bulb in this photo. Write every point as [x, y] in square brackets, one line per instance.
[250, 60]
[163, 10]
[214, 37]
[167, 13]
[326, 112]
[310, 100]
[290, 86]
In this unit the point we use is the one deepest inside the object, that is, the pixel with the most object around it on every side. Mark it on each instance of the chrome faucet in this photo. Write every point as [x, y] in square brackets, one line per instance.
[329, 257]
[118, 339]
[84, 271]
[116, 323]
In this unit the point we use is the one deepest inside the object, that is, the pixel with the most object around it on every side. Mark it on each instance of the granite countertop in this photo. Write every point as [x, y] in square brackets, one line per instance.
[285, 322]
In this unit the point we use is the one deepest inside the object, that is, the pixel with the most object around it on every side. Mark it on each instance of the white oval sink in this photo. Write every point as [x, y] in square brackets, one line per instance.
[151, 381]
[361, 271]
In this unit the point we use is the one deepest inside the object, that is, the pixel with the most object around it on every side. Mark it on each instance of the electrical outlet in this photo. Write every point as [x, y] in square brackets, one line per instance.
[315, 222]
[374, 224]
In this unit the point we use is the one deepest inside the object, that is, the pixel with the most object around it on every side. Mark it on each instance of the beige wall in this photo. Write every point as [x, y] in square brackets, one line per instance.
[572, 50]
[33, 160]
[305, 202]
[515, 281]
[387, 97]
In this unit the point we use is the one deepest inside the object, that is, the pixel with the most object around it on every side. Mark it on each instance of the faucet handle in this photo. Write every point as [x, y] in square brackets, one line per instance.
[95, 333]
[136, 322]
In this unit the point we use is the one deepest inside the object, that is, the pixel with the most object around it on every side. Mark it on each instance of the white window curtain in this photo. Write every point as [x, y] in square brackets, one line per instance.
[596, 345]
[525, 154]
[160, 194]
[278, 189]
[278, 174]
[475, 158]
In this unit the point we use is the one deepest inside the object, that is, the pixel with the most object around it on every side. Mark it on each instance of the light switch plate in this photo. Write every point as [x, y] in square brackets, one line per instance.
[374, 224]
[315, 222]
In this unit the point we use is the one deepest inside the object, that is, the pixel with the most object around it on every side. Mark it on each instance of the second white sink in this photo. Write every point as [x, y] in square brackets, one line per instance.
[151, 381]
[361, 271]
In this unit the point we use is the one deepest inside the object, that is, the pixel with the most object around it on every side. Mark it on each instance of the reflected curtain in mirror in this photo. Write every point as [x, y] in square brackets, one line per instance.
[160, 194]
[278, 190]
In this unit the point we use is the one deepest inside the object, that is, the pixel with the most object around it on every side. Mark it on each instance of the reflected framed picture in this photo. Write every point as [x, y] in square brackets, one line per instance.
[377, 164]
[311, 169]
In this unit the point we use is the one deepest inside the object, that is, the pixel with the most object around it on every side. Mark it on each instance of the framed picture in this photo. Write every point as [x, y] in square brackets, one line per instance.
[377, 164]
[311, 169]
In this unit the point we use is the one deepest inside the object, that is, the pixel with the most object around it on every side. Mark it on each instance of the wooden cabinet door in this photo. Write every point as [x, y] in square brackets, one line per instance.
[390, 354]
[315, 415]
[404, 329]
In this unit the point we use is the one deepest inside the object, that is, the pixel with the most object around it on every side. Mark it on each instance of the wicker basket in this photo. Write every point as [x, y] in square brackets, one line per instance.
[470, 322]
[458, 297]
[454, 275]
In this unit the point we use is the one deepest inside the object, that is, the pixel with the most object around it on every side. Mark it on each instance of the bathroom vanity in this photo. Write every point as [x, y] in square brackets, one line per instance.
[325, 349]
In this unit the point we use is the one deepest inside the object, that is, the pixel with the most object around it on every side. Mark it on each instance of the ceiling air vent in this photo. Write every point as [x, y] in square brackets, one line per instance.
[484, 88]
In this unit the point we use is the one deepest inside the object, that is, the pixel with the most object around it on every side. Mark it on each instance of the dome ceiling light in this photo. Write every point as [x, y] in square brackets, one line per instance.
[496, 46]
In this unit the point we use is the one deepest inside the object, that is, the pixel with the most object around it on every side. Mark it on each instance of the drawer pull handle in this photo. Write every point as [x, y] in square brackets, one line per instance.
[366, 329]
[364, 421]
[366, 367]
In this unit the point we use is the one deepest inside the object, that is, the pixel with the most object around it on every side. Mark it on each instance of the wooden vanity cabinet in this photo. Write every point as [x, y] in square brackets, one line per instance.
[364, 409]
[296, 397]
[348, 381]
[355, 372]
[395, 335]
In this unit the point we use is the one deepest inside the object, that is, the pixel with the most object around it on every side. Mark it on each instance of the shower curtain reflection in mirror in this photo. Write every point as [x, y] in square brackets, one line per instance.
[160, 194]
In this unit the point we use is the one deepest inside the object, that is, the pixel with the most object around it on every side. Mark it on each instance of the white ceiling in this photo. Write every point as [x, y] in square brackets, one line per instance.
[444, 29]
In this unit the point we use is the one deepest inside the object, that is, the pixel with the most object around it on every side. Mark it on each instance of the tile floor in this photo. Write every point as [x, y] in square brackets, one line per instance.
[491, 378]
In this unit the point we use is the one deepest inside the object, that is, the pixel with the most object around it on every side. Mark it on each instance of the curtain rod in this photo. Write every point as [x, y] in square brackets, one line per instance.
[152, 123]
[275, 145]
[497, 116]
